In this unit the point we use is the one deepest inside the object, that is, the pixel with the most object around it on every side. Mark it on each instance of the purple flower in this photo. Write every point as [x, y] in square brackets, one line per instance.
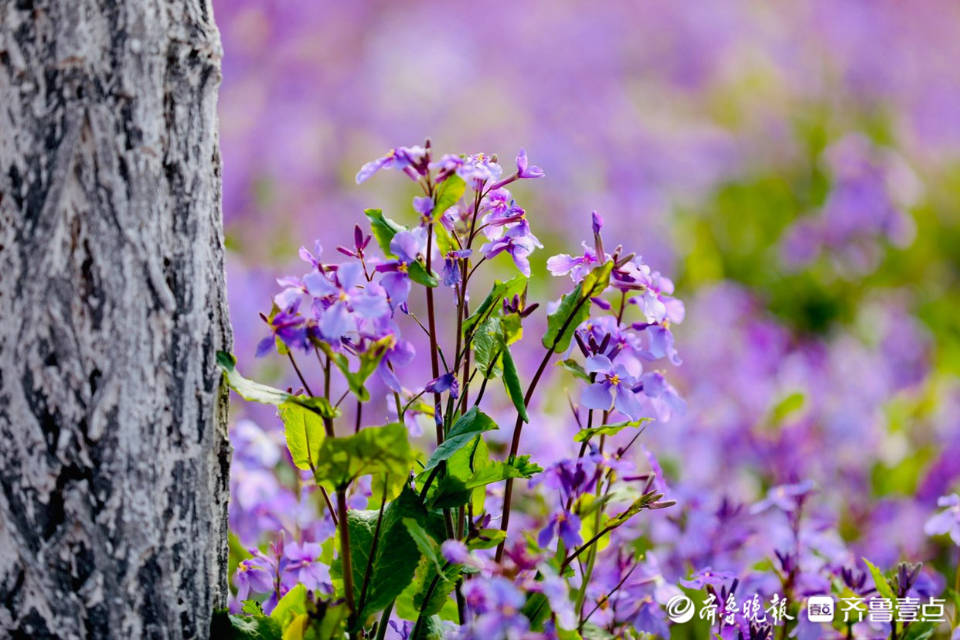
[578, 267]
[450, 275]
[786, 497]
[519, 242]
[300, 565]
[614, 386]
[523, 168]
[443, 383]
[947, 521]
[564, 524]
[287, 325]
[410, 160]
[474, 169]
[344, 299]
[408, 246]
[254, 575]
[497, 603]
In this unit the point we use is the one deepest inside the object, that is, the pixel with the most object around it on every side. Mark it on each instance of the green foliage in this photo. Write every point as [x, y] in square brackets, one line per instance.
[608, 429]
[383, 229]
[265, 394]
[304, 432]
[372, 450]
[461, 433]
[448, 193]
[368, 361]
[419, 274]
[230, 627]
[500, 290]
[454, 489]
[880, 582]
[396, 555]
[574, 308]
[511, 380]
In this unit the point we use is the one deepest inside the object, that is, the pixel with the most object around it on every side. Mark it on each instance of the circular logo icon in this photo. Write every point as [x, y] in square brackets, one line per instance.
[680, 609]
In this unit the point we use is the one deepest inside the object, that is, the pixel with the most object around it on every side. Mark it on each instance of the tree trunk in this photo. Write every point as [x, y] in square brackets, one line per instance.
[113, 447]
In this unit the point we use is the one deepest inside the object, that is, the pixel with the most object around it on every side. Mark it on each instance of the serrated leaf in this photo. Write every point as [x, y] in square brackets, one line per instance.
[372, 450]
[418, 273]
[574, 308]
[448, 193]
[383, 229]
[396, 555]
[608, 429]
[511, 380]
[463, 431]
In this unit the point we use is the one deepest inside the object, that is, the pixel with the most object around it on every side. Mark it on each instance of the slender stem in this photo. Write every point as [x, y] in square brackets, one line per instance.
[306, 387]
[356, 426]
[426, 600]
[602, 600]
[345, 560]
[373, 547]
[432, 323]
[518, 426]
[384, 621]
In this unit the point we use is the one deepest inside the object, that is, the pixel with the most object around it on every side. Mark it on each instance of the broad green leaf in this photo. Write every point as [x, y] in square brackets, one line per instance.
[453, 491]
[443, 239]
[231, 627]
[419, 274]
[291, 605]
[608, 429]
[883, 587]
[511, 326]
[383, 230]
[448, 193]
[487, 343]
[574, 308]
[428, 547]
[396, 555]
[372, 450]
[500, 290]
[464, 429]
[919, 631]
[265, 394]
[511, 380]
[537, 610]
[304, 432]
[414, 597]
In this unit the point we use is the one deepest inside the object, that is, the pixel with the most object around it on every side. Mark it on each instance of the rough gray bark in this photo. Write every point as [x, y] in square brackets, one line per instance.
[113, 450]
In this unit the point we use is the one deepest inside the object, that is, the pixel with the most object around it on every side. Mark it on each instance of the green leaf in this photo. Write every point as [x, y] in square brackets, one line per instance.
[537, 610]
[453, 491]
[368, 361]
[231, 627]
[919, 630]
[420, 275]
[883, 586]
[396, 555]
[383, 230]
[608, 429]
[448, 193]
[424, 542]
[511, 380]
[574, 308]
[292, 604]
[304, 432]
[414, 597]
[372, 450]
[486, 539]
[265, 394]
[462, 432]
[487, 343]
[500, 290]
[575, 368]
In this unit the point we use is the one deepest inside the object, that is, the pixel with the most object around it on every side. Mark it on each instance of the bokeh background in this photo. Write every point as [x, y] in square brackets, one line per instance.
[794, 166]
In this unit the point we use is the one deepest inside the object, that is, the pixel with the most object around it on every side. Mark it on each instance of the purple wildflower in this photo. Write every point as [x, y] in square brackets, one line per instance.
[947, 521]
[410, 160]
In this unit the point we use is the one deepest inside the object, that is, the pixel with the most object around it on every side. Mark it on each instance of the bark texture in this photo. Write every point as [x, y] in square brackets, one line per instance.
[113, 449]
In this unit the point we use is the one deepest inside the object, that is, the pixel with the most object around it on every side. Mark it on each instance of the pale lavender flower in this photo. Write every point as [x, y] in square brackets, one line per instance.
[947, 521]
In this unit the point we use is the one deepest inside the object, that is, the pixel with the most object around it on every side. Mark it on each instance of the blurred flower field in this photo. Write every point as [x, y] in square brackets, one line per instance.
[793, 168]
